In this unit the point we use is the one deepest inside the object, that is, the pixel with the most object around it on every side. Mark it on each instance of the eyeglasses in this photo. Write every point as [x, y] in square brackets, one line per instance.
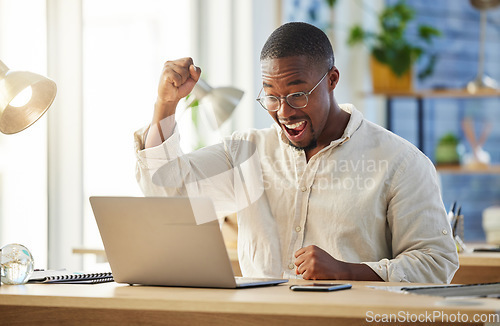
[296, 100]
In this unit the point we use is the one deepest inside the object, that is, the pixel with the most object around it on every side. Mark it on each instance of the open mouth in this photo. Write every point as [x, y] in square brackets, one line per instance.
[295, 130]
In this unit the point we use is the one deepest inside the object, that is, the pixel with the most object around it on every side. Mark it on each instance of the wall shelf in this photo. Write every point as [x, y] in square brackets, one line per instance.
[443, 93]
[420, 95]
[459, 169]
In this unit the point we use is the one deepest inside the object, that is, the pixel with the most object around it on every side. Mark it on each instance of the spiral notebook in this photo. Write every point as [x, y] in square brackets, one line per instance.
[66, 277]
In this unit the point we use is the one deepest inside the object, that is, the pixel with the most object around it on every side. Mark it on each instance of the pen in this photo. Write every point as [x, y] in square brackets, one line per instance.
[455, 220]
[451, 212]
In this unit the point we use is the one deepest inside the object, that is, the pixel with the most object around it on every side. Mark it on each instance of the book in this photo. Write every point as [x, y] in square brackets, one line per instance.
[66, 277]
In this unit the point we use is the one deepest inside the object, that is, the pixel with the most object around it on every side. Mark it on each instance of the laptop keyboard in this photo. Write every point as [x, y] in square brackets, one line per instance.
[245, 280]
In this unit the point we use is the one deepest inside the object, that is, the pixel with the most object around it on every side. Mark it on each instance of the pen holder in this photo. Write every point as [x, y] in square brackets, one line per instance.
[460, 244]
[458, 228]
[458, 233]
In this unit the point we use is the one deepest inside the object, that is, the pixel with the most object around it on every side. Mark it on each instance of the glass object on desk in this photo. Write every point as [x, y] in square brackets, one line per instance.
[16, 264]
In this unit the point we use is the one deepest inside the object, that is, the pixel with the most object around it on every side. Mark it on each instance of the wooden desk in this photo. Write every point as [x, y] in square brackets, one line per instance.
[478, 267]
[116, 304]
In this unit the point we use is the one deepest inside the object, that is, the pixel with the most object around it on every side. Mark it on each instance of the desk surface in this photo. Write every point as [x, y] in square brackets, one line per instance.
[480, 259]
[117, 304]
[478, 267]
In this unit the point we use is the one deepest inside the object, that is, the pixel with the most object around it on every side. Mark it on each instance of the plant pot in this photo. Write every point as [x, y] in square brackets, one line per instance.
[447, 154]
[385, 81]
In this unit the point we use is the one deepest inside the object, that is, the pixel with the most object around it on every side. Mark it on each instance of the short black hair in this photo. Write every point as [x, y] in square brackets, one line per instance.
[299, 39]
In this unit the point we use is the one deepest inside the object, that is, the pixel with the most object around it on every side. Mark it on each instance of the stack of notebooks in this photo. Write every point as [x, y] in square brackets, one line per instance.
[66, 277]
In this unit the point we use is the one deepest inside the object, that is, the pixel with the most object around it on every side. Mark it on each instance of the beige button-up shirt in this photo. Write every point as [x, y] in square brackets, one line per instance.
[369, 197]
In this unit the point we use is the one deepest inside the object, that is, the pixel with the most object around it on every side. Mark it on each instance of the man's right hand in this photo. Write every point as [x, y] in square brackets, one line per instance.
[176, 82]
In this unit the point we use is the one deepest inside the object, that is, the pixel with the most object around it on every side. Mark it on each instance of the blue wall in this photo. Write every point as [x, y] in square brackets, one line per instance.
[457, 64]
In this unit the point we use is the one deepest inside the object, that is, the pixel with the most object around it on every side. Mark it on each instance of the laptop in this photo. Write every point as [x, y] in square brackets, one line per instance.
[161, 241]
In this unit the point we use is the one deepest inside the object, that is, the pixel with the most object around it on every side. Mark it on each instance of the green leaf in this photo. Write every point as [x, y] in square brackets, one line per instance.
[427, 33]
[402, 10]
[331, 3]
[356, 35]
[401, 62]
[428, 70]
[389, 45]
[449, 138]
[193, 103]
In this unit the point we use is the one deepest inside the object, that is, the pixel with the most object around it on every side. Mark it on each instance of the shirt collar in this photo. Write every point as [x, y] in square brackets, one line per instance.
[355, 120]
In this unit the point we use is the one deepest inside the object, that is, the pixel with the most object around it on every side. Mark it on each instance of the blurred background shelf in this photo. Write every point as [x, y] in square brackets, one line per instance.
[460, 169]
[420, 96]
[442, 93]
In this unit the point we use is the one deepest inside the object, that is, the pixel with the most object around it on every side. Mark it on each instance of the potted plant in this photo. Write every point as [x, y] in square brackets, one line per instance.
[392, 52]
[446, 150]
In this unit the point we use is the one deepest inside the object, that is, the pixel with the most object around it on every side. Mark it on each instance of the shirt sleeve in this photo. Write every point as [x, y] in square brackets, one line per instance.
[422, 244]
[165, 170]
[150, 160]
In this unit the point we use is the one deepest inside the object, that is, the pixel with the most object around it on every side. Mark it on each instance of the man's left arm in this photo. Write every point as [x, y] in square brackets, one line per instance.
[422, 244]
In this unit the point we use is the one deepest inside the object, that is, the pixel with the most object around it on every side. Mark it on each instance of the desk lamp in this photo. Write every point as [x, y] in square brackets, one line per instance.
[222, 100]
[481, 80]
[16, 263]
[15, 118]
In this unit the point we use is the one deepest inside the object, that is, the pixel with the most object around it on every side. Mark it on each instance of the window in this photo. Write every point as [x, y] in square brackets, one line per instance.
[23, 163]
[125, 44]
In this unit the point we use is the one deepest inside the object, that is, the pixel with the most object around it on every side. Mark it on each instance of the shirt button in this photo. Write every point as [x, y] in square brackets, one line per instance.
[445, 232]
[291, 266]
[298, 228]
[304, 188]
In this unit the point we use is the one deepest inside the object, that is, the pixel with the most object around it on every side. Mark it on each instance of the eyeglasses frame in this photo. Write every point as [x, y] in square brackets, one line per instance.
[259, 99]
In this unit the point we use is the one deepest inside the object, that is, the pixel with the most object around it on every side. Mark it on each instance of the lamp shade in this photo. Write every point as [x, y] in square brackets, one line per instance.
[222, 100]
[482, 81]
[485, 4]
[17, 118]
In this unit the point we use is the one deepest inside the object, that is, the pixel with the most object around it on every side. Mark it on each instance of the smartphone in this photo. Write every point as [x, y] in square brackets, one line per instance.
[320, 287]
